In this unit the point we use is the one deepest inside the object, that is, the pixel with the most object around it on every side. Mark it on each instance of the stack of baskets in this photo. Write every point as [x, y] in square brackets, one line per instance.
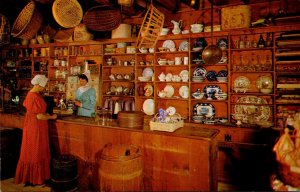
[28, 22]
[102, 18]
[151, 27]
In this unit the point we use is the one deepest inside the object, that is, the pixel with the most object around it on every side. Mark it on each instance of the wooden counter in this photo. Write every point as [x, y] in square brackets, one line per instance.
[184, 160]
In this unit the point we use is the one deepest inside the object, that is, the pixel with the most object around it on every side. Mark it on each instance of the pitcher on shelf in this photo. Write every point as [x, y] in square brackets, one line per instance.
[177, 27]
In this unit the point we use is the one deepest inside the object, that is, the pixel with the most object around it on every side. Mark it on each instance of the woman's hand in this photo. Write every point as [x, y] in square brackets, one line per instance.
[78, 103]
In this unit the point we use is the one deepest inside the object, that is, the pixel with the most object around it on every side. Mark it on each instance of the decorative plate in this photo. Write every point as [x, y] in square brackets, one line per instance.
[222, 43]
[211, 76]
[119, 89]
[169, 89]
[223, 73]
[148, 72]
[183, 73]
[169, 44]
[171, 110]
[112, 89]
[264, 82]
[148, 90]
[184, 91]
[201, 43]
[241, 84]
[200, 71]
[258, 111]
[184, 46]
[210, 91]
[148, 107]
[204, 109]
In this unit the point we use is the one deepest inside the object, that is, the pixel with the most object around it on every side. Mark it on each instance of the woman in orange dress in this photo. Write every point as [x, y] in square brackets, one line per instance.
[34, 163]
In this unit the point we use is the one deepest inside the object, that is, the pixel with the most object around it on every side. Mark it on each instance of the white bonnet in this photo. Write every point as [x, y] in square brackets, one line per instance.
[39, 80]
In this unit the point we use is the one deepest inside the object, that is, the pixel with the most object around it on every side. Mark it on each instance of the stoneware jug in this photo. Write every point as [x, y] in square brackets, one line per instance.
[177, 27]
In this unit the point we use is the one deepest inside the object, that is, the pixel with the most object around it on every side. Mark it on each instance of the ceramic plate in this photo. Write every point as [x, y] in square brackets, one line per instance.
[184, 91]
[183, 73]
[257, 110]
[204, 109]
[169, 89]
[169, 44]
[148, 89]
[241, 83]
[184, 46]
[211, 90]
[264, 82]
[223, 73]
[201, 43]
[147, 72]
[222, 43]
[200, 71]
[211, 76]
[148, 107]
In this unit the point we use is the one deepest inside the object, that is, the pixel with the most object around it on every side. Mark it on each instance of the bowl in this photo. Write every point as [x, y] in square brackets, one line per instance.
[266, 91]
[198, 95]
[171, 62]
[144, 78]
[162, 62]
[222, 79]
[222, 96]
[164, 31]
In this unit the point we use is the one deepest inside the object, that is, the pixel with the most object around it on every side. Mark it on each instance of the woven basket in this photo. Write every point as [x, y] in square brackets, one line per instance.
[67, 13]
[151, 27]
[169, 127]
[28, 22]
[102, 18]
[287, 176]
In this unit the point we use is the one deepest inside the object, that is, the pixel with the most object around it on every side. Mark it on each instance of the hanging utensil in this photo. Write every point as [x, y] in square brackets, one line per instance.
[212, 54]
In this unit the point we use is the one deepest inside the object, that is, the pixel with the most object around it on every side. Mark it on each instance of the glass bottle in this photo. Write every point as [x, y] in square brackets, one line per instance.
[261, 42]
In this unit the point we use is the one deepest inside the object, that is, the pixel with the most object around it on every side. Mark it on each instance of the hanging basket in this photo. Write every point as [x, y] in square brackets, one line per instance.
[4, 30]
[28, 22]
[102, 18]
[67, 13]
[151, 27]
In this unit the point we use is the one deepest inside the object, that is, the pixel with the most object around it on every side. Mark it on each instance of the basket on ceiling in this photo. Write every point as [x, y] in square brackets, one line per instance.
[28, 22]
[67, 13]
[4, 30]
[150, 28]
[102, 18]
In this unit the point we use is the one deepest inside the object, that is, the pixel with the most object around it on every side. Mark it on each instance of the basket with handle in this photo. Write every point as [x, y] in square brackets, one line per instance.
[28, 22]
[150, 28]
[102, 18]
[176, 121]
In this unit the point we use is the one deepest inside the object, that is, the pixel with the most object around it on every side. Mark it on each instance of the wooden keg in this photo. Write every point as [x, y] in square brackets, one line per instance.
[121, 168]
[64, 173]
[131, 119]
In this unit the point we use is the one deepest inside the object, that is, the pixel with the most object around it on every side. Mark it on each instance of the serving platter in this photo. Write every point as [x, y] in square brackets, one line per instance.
[204, 110]
[169, 89]
[200, 72]
[148, 107]
[169, 44]
[184, 46]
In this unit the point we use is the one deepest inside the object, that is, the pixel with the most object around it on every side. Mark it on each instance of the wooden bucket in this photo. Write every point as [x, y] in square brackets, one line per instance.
[64, 173]
[131, 119]
[121, 168]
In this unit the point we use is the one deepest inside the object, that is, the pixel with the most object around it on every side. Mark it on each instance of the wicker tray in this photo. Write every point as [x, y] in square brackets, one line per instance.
[67, 13]
[169, 127]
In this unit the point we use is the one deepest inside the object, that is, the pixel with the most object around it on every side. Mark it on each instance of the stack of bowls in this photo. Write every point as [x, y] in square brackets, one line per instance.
[197, 79]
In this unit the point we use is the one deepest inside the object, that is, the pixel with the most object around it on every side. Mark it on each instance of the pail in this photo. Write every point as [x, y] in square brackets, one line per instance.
[121, 168]
[64, 173]
[123, 31]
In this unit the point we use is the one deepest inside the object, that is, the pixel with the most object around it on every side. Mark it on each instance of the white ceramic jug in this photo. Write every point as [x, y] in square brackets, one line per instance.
[177, 27]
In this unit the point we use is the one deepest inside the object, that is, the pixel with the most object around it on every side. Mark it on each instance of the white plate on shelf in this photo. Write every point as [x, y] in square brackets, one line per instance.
[148, 107]
[148, 72]
[184, 46]
[200, 72]
[169, 44]
[169, 89]
[184, 91]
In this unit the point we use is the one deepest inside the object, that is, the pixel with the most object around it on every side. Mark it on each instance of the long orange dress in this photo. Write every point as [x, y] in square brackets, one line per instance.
[34, 162]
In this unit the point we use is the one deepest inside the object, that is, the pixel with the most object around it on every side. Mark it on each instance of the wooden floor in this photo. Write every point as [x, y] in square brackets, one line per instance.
[8, 185]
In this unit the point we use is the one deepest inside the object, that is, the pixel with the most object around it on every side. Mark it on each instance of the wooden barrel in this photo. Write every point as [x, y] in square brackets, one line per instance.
[131, 119]
[64, 173]
[121, 168]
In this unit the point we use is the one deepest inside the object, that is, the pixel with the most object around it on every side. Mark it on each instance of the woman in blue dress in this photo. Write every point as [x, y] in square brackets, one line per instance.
[85, 98]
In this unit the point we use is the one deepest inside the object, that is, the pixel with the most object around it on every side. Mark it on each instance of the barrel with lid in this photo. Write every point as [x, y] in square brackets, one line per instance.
[121, 168]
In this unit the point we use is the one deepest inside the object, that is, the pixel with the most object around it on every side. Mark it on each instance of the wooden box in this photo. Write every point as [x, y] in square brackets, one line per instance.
[235, 17]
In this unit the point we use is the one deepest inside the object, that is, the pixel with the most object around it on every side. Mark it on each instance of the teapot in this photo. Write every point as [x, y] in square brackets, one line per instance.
[196, 28]
[177, 25]
[162, 77]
